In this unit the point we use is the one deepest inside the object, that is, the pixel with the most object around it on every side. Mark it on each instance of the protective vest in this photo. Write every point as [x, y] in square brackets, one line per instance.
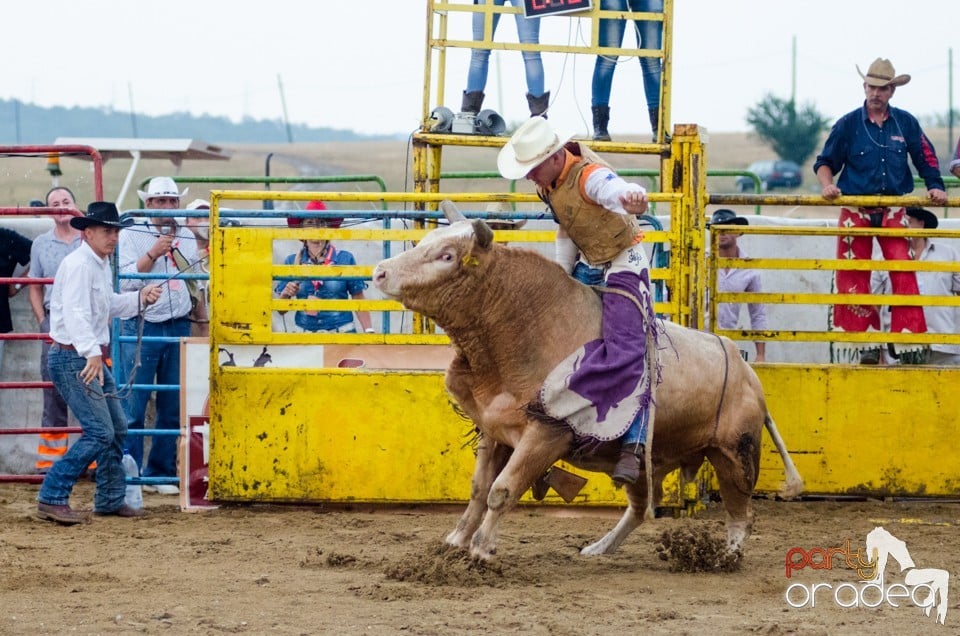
[599, 233]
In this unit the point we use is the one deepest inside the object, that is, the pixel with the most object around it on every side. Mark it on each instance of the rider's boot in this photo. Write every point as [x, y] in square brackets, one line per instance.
[627, 470]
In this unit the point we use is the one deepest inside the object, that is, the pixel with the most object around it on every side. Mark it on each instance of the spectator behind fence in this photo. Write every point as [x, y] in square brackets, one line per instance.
[869, 147]
[649, 36]
[323, 252]
[163, 248]
[738, 280]
[14, 250]
[528, 31]
[81, 305]
[939, 319]
[596, 213]
[200, 289]
[48, 251]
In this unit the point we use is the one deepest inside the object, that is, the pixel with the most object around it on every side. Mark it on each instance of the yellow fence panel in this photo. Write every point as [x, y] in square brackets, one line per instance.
[881, 431]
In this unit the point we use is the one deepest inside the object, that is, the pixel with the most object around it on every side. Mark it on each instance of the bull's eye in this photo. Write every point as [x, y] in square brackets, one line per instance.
[447, 257]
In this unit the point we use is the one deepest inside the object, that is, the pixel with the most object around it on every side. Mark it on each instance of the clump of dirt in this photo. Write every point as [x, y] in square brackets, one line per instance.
[317, 559]
[443, 564]
[691, 549]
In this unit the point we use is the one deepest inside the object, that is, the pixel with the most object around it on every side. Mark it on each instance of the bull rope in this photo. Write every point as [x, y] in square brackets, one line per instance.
[723, 389]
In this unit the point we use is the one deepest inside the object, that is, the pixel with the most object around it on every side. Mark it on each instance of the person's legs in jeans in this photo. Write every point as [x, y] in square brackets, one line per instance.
[94, 414]
[528, 32]
[162, 461]
[111, 479]
[611, 35]
[480, 58]
[650, 36]
[135, 401]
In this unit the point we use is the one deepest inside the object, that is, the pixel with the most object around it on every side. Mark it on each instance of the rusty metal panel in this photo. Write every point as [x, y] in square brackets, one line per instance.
[874, 431]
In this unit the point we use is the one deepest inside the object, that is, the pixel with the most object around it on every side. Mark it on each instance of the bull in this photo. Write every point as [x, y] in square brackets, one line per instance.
[512, 316]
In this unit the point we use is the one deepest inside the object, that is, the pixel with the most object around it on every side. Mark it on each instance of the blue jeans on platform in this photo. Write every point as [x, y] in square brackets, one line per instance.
[159, 364]
[104, 429]
[528, 31]
[649, 35]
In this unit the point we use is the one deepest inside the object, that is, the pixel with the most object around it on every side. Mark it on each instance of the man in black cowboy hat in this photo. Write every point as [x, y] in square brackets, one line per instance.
[82, 303]
[737, 280]
[868, 148]
[940, 319]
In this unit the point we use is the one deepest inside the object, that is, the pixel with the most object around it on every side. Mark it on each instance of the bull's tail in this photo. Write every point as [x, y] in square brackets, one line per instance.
[653, 368]
[794, 483]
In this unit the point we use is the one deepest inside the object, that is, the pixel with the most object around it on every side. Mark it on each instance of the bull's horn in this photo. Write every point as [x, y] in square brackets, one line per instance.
[451, 212]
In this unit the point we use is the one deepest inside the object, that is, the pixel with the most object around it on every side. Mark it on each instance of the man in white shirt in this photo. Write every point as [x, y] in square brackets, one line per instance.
[939, 319]
[161, 249]
[82, 303]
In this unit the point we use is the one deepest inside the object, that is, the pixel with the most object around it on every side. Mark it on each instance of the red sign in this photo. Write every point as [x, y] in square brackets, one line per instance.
[538, 8]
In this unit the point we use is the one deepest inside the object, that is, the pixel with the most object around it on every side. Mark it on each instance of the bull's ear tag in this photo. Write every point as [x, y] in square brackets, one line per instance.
[469, 260]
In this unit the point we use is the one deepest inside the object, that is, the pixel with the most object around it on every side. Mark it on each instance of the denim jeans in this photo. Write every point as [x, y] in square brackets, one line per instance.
[528, 32]
[159, 364]
[104, 430]
[649, 35]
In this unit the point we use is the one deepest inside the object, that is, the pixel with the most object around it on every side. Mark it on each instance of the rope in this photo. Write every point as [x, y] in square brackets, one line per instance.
[723, 389]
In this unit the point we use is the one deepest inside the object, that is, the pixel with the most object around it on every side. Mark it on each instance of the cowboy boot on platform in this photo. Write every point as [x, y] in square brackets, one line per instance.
[601, 116]
[471, 102]
[538, 105]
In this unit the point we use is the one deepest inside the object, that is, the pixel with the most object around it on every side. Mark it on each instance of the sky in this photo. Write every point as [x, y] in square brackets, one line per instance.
[359, 65]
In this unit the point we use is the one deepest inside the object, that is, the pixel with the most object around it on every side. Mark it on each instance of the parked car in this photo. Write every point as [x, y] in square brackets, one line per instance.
[772, 174]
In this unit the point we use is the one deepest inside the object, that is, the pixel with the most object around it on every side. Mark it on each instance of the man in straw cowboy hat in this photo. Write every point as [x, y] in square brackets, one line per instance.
[82, 304]
[162, 248]
[868, 147]
[606, 393]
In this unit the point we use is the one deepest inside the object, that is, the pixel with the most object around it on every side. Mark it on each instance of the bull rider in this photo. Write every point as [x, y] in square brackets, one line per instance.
[604, 392]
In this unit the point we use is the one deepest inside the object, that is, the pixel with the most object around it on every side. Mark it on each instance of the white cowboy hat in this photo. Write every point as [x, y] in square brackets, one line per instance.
[198, 204]
[881, 73]
[161, 187]
[530, 145]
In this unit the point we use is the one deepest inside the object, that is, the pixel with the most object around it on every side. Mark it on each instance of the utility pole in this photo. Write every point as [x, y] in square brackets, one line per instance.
[793, 73]
[283, 104]
[16, 118]
[133, 114]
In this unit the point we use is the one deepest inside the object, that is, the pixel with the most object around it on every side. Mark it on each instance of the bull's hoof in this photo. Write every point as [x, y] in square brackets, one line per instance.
[483, 555]
[457, 540]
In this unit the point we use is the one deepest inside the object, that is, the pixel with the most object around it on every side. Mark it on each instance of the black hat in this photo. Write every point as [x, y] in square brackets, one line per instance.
[726, 217]
[929, 219]
[100, 213]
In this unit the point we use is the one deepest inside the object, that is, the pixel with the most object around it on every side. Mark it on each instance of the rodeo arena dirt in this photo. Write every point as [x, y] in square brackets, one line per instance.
[312, 570]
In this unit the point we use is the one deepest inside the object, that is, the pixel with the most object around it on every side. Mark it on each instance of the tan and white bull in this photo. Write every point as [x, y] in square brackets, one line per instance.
[512, 316]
